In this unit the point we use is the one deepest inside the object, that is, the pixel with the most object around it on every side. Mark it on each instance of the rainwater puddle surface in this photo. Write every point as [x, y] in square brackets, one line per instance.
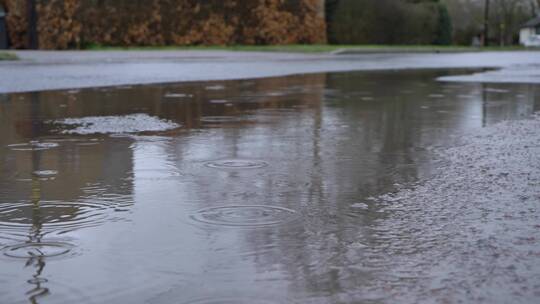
[194, 203]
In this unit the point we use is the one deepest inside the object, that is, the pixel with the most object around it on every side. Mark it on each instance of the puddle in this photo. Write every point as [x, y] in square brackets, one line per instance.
[37, 250]
[270, 194]
[236, 164]
[133, 123]
[245, 216]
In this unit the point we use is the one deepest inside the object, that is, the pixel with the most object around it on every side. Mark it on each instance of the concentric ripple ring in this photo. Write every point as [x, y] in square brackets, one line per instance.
[236, 164]
[234, 300]
[37, 250]
[220, 119]
[245, 216]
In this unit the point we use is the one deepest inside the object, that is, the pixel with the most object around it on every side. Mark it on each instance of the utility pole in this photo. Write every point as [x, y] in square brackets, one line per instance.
[486, 23]
[33, 42]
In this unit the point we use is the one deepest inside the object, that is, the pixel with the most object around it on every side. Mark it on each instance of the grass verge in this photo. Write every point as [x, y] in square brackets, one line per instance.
[8, 56]
[318, 48]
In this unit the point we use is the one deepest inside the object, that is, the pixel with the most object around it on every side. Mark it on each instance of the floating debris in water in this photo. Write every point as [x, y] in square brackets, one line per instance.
[116, 124]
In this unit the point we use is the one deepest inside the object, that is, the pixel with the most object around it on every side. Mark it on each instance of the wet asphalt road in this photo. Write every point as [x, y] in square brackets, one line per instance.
[49, 70]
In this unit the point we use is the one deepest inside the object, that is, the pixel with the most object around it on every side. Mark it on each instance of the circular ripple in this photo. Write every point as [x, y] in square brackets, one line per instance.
[236, 164]
[220, 119]
[233, 300]
[35, 281]
[33, 146]
[245, 216]
[154, 174]
[16, 219]
[37, 250]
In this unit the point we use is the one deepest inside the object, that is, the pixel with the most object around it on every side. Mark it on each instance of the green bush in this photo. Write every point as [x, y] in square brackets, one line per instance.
[444, 27]
[384, 22]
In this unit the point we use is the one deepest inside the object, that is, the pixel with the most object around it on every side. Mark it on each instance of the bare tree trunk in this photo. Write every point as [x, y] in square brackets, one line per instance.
[32, 25]
[486, 23]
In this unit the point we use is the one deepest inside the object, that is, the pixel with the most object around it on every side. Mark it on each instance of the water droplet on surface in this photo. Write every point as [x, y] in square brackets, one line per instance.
[236, 164]
[245, 216]
[37, 250]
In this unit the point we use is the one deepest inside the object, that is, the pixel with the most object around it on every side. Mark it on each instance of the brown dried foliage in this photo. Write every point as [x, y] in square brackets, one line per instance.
[16, 22]
[72, 23]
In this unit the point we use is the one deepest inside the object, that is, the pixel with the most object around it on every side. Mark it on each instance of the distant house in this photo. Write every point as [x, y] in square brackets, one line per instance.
[529, 34]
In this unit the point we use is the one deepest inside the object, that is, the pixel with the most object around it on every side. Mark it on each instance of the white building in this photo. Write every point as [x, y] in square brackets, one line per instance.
[529, 34]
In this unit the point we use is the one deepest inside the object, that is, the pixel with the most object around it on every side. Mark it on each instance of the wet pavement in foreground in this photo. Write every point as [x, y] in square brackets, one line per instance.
[255, 191]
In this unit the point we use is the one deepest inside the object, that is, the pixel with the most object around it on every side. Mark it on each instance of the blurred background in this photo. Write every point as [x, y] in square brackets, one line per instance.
[88, 24]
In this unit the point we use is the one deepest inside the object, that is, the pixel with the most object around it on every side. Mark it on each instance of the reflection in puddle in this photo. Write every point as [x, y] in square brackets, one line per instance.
[177, 95]
[215, 88]
[45, 173]
[33, 146]
[310, 150]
